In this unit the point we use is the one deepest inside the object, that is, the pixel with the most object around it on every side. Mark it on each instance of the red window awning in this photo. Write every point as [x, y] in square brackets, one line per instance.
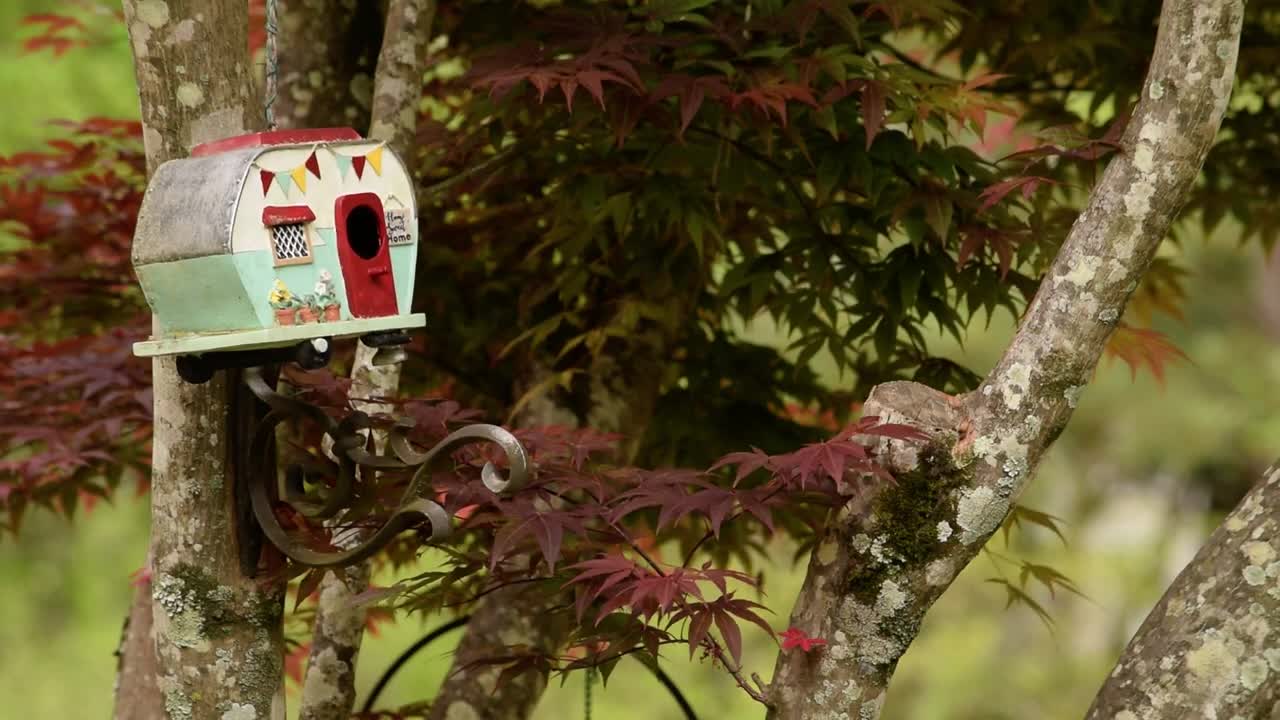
[287, 215]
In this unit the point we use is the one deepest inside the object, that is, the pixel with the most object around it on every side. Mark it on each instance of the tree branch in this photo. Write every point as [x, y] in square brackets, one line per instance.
[328, 50]
[136, 660]
[329, 691]
[1208, 648]
[878, 567]
[398, 85]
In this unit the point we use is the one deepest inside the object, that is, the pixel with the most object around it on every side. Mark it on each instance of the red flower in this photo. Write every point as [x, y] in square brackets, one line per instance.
[795, 638]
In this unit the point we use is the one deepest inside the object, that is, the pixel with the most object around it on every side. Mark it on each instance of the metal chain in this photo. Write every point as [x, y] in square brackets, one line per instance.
[586, 695]
[273, 65]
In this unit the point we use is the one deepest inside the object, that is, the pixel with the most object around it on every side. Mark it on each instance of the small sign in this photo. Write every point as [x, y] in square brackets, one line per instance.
[398, 227]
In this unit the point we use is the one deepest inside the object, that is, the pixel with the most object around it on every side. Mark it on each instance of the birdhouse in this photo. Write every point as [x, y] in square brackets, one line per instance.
[267, 246]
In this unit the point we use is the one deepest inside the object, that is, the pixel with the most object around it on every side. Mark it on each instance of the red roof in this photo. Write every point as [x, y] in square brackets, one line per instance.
[287, 215]
[275, 137]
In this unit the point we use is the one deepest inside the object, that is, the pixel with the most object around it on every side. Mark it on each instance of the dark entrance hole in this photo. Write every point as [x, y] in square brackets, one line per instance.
[363, 234]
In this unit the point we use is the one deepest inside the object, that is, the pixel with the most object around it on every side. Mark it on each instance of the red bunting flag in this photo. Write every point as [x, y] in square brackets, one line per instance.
[267, 176]
[358, 163]
[314, 165]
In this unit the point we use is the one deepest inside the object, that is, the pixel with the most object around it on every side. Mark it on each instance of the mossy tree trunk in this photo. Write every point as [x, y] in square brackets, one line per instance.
[217, 633]
[879, 567]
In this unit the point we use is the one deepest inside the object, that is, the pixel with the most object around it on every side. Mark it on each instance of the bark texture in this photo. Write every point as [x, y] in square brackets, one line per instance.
[217, 633]
[136, 688]
[1211, 646]
[881, 565]
[329, 690]
[329, 687]
[328, 51]
[397, 88]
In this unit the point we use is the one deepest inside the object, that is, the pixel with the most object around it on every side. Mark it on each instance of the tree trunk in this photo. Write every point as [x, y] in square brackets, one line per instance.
[1208, 649]
[397, 88]
[329, 686]
[328, 51]
[329, 691]
[619, 398]
[879, 567]
[136, 687]
[218, 640]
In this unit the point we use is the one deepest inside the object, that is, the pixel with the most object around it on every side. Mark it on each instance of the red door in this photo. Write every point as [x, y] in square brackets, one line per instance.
[362, 250]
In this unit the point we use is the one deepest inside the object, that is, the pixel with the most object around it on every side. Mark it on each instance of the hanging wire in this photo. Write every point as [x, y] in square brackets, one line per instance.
[586, 695]
[273, 65]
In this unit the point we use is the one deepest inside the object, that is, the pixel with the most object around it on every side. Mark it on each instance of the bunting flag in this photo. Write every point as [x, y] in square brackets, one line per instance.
[288, 179]
[313, 165]
[299, 176]
[344, 164]
[371, 159]
[285, 181]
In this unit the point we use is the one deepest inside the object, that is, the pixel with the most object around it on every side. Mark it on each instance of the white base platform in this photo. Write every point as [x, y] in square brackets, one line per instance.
[279, 336]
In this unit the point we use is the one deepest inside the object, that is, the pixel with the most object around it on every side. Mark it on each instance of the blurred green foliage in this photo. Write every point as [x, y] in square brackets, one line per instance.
[92, 81]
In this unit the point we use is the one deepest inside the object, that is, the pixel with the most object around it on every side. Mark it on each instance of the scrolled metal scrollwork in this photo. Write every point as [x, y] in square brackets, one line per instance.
[349, 450]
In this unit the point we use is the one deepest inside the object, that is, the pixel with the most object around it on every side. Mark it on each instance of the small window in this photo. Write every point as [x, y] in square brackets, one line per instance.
[290, 244]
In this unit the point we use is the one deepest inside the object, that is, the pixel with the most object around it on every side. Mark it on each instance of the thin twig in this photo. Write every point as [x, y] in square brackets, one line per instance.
[495, 588]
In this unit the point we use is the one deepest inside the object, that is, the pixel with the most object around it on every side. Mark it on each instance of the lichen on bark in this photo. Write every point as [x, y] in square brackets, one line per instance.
[217, 638]
[1211, 646]
[329, 686]
[985, 446]
[328, 52]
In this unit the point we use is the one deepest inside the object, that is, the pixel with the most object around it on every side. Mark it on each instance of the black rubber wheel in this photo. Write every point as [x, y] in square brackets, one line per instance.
[313, 354]
[194, 370]
[389, 338]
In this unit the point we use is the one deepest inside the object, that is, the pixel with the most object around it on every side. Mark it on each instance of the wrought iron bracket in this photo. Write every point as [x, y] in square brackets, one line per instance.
[349, 440]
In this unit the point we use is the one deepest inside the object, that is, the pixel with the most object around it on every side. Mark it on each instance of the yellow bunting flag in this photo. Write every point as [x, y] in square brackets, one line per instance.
[299, 176]
[375, 159]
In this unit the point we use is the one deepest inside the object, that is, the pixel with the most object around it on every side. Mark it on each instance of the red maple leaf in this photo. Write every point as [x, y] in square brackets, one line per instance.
[295, 661]
[795, 638]
[1143, 347]
[1028, 184]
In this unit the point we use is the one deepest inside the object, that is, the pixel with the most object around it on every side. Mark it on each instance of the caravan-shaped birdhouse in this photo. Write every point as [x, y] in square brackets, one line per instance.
[277, 240]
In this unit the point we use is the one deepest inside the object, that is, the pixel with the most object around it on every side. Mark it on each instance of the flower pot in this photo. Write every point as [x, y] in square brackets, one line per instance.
[284, 317]
[331, 313]
[307, 315]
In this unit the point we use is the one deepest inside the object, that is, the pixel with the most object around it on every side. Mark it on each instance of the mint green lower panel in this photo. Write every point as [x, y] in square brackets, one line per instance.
[403, 268]
[198, 295]
[232, 292]
[259, 273]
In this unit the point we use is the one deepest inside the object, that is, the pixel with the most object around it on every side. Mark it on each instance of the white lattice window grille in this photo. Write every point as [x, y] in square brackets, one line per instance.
[290, 244]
